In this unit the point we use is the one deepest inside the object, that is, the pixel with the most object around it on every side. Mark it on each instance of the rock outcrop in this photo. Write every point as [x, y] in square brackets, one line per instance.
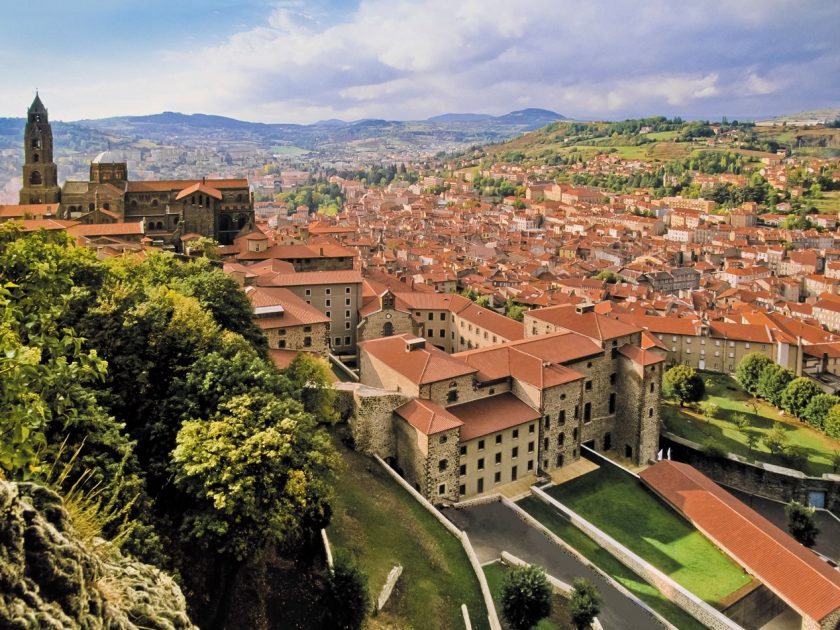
[50, 578]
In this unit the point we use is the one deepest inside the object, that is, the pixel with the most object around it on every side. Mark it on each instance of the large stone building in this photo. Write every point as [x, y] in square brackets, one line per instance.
[477, 419]
[169, 210]
[40, 174]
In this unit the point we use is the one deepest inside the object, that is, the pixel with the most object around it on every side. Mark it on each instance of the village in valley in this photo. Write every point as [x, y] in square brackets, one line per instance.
[610, 350]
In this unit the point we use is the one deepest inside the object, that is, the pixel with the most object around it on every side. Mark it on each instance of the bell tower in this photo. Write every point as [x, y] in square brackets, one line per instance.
[40, 174]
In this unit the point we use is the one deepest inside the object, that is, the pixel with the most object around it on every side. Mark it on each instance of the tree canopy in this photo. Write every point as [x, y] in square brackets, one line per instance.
[683, 383]
[526, 597]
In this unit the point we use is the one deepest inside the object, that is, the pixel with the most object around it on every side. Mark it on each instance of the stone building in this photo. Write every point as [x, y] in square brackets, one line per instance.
[40, 174]
[489, 416]
[217, 208]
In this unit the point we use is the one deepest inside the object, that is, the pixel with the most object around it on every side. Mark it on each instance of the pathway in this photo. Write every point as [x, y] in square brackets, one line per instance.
[494, 528]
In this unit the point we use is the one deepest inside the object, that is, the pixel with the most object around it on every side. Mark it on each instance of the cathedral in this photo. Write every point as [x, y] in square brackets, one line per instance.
[169, 210]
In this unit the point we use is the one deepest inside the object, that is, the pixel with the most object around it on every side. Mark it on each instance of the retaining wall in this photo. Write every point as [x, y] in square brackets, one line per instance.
[693, 605]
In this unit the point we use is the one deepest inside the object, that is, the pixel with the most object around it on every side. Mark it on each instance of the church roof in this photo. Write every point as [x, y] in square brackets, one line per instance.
[108, 157]
[37, 105]
[199, 187]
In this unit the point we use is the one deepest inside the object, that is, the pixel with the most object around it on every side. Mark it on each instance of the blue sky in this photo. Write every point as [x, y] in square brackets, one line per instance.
[300, 61]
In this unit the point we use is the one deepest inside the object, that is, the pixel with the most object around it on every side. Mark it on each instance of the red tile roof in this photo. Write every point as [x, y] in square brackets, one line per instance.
[591, 324]
[303, 278]
[421, 365]
[427, 417]
[489, 415]
[199, 187]
[794, 573]
[639, 356]
[296, 312]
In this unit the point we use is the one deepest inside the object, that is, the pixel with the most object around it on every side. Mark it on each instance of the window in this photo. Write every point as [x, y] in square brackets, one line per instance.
[442, 489]
[328, 314]
[497, 477]
[612, 403]
[612, 378]
[589, 364]
[308, 292]
[514, 452]
[281, 343]
[481, 445]
[491, 391]
[530, 447]
[347, 314]
[513, 474]
[498, 438]
[347, 302]
[587, 412]
[559, 460]
[463, 450]
[545, 444]
[515, 433]
[307, 329]
[575, 434]
[443, 317]
[347, 290]
[547, 422]
[431, 316]
[480, 465]
[652, 387]
[442, 439]
[577, 412]
[442, 333]
[561, 439]
[347, 326]
[462, 489]
[462, 470]
[347, 341]
[327, 291]
[480, 486]
[530, 464]
[588, 386]
[607, 441]
[442, 465]
[561, 417]
[650, 412]
[327, 303]
[337, 341]
[498, 459]
[530, 428]
[562, 396]
[307, 341]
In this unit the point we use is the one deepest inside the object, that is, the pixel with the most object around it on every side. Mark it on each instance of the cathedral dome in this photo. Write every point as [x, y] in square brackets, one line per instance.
[108, 157]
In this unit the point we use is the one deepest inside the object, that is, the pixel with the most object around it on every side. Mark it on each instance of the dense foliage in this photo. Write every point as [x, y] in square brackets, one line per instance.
[585, 603]
[801, 523]
[683, 383]
[149, 375]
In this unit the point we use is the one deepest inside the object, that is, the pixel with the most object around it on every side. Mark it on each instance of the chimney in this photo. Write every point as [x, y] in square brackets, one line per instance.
[580, 309]
[414, 343]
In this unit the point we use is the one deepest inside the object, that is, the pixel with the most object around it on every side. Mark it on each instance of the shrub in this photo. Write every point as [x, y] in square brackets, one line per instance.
[526, 597]
[801, 523]
[818, 408]
[831, 423]
[585, 603]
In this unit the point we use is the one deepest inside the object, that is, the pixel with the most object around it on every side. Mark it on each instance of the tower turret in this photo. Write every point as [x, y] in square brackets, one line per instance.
[40, 174]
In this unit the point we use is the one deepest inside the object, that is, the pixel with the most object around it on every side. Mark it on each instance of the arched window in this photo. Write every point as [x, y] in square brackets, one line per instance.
[36, 143]
[35, 158]
[154, 203]
[106, 206]
[133, 203]
[452, 394]
[388, 329]
[91, 207]
[35, 179]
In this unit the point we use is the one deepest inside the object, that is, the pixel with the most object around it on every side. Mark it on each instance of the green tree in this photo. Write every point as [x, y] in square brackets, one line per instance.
[818, 408]
[798, 394]
[515, 311]
[310, 379]
[710, 410]
[801, 523]
[749, 370]
[772, 382]
[831, 424]
[584, 604]
[346, 600]
[526, 597]
[776, 439]
[684, 384]
[742, 421]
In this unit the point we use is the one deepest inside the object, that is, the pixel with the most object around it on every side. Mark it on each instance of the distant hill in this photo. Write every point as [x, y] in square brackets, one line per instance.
[456, 118]
[814, 116]
[531, 118]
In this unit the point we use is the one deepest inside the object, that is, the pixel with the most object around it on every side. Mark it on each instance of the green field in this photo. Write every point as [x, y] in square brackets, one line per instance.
[380, 525]
[828, 203]
[605, 561]
[722, 431]
[559, 618]
[622, 507]
[285, 149]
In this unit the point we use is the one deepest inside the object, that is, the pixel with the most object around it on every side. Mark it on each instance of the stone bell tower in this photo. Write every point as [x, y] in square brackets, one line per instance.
[40, 174]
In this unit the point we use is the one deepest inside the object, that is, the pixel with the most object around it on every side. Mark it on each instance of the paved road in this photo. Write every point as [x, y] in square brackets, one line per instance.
[828, 540]
[494, 528]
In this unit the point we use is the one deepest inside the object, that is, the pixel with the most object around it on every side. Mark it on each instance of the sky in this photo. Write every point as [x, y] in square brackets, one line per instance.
[301, 61]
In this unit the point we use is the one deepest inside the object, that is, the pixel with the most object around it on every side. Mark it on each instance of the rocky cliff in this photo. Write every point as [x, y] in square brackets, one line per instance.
[50, 578]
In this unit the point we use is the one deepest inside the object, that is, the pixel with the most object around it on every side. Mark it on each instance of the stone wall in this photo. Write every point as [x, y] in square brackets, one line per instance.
[370, 414]
[442, 467]
[372, 326]
[686, 600]
[773, 482]
[294, 338]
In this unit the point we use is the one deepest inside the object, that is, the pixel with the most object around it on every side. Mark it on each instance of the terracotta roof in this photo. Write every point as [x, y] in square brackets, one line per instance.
[794, 573]
[639, 356]
[427, 417]
[296, 312]
[199, 187]
[421, 365]
[505, 327]
[180, 184]
[111, 229]
[303, 278]
[591, 324]
[489, 415]
[31, 209]
[282, 358]
[663, 325]
[740, 332]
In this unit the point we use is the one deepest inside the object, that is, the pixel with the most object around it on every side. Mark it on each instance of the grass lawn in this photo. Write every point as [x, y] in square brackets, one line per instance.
[558, 619]
[604, 560]
[724, 391]
[285, 149]
[380, 525]
[622, 507]
[828, 203]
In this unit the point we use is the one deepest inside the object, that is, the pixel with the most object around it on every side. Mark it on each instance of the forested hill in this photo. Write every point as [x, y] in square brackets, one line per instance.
[140, 390]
